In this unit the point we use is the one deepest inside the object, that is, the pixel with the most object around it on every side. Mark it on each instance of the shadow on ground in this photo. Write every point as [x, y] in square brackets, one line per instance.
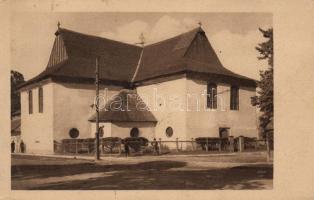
[146, 175]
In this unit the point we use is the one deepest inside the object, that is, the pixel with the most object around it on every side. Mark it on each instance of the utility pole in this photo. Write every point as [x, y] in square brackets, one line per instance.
[97, 152]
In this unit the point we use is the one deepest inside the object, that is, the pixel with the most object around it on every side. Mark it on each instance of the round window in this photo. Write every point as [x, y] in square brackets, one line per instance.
[169, 131]
[74, 133]
[134, 132]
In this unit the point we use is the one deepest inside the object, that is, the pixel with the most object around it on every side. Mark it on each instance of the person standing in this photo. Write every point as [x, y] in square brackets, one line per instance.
[155, 146]
[22, 147]
[126, 149]
[12, 146]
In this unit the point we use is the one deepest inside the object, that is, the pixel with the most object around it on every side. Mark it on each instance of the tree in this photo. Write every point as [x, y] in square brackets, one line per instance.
[16, 79]
[264, 98]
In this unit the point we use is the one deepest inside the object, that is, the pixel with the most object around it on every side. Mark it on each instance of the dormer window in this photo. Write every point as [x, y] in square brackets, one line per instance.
[212, 96]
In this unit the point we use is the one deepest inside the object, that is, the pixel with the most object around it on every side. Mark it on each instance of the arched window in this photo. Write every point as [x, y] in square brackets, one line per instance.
[30, 102]
[169, 131]
[134, 132]
[74, 133]
[212, 96]
[234, 98]
[40, 100]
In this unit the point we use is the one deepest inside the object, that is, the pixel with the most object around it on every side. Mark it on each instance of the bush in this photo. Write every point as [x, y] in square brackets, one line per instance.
[111, 142]
[136, 143]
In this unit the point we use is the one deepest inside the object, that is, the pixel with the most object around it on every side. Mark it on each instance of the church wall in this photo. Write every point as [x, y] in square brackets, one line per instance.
[72, 108]
[123, 129]
[37, 128]
[106, 128]
[166, 101]
[202, 122]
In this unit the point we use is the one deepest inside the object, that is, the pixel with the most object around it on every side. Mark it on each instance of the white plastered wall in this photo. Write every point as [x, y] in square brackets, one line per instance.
[166, 101]
[206, 123]
[37, 128]
[72, 104]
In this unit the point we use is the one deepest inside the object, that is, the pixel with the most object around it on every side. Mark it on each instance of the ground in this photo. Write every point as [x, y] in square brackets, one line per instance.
[206, 171]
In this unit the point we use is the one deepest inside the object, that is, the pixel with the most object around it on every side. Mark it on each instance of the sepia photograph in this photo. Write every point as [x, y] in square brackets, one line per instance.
[146, 99]
[142, 101]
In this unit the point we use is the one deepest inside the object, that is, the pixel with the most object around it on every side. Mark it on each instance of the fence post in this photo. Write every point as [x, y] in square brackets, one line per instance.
[87, 147]
[255, 144]
[76, 144]
[177, 144]
[206, 144]
[160, 147]
[120, 147]
[231, 143]
[192, 144]
[241, 143]
[102, 146]
[63, 147]
[219, 144]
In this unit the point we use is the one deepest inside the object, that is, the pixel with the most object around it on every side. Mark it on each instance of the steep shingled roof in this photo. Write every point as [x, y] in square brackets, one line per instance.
[117, 60]
[187, 52]
[16, 126]
[127, 106]
[190, 51]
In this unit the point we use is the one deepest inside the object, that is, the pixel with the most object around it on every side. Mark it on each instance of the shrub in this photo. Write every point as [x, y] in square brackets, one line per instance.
[111, 142]
[136, 143]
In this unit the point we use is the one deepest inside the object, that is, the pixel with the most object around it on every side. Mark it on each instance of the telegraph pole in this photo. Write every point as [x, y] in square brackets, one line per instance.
[97, 152]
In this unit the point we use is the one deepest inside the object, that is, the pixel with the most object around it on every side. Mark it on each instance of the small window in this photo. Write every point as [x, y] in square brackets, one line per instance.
[212, 96]
[169, 131]
[74, 133]
[134, 132]
[234, 98]
[40, 100]
[30, 102]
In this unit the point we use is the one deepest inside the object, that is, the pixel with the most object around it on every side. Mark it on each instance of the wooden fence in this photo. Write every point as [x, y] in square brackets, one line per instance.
[201, 145]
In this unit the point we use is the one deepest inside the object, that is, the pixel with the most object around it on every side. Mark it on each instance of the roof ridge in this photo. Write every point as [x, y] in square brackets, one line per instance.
[99, 37]
[138, 66]
[196, 30]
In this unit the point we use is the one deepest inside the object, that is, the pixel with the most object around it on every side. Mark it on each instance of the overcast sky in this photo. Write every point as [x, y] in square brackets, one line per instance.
[232, 35]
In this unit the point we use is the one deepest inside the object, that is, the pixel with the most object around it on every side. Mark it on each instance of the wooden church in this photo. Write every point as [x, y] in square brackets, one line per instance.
[176, 88]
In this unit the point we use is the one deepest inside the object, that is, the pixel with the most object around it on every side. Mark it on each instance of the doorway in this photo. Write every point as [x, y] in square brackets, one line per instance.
[224, 132]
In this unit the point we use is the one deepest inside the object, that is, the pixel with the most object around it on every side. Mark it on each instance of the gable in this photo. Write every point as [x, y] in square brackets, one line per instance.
[165, 57]
[202, 58]
[58, 53]
[201, 50]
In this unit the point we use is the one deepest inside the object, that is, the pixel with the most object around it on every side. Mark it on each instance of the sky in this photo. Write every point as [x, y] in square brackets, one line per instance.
[233, 36]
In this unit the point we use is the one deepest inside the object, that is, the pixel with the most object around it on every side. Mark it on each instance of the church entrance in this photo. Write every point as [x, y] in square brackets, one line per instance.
[224, 132]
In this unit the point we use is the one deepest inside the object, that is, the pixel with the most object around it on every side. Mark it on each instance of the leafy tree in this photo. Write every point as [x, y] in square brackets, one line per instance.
[264, 98]
[16, 79]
